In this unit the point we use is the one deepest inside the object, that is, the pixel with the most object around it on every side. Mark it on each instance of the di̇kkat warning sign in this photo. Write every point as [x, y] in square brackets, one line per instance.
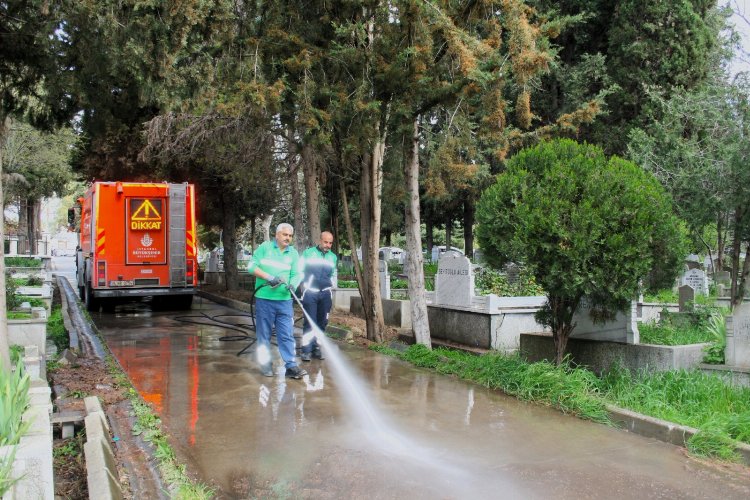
[147, 235]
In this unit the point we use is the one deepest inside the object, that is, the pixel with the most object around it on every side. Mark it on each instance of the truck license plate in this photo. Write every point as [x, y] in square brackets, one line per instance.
[122, 283]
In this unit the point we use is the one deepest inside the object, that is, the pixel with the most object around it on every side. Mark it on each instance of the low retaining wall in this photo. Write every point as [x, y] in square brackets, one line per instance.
[395, 312]
[600, 356]
[731, 374]
[650, 312]
[31, 332]
[32, 465]
[101, 467]
[342, 296]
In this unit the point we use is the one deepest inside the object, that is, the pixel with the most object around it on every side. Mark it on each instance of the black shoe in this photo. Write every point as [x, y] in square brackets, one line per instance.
[266, 370]
[295, 372]
[318, 354]
[305, 356]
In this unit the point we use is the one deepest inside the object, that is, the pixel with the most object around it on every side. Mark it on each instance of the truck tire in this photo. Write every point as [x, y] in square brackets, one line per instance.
[92, 303]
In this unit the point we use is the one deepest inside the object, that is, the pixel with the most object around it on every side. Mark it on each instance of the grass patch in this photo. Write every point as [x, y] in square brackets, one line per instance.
[671, 334]
[22, 262]
[56, 329]
[18, 315]
[686, 397]
[571, 390]
[667, 296]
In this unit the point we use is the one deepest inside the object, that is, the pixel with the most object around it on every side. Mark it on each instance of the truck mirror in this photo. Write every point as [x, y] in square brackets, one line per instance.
[71, 216]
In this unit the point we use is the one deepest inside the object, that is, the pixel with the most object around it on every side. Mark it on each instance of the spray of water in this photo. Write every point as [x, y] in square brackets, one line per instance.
[379, 430]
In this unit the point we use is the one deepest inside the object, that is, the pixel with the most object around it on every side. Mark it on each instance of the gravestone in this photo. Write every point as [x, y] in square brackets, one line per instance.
[687, 294]
[737, 352]
[454, 281]
[723, 278]
[512, 272]
[384, 279]
[622, 328]
[697, 279]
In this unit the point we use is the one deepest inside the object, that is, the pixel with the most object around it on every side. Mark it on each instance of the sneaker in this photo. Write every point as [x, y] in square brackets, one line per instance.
[305, 356]
[266, 370]
[318, 354]
[295, 372]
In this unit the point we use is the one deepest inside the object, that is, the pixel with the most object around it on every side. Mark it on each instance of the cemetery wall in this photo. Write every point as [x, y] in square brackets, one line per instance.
[601, 356]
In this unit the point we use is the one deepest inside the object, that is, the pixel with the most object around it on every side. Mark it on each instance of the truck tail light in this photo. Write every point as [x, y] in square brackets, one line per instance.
[190, 271]
[101, 273]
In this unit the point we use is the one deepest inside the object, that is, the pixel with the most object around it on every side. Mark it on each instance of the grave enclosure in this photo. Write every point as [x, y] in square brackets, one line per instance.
[508, 324]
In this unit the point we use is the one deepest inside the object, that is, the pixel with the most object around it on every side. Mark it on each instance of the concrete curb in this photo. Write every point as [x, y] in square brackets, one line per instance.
[663, 430]
[101, 467]
[235, 304]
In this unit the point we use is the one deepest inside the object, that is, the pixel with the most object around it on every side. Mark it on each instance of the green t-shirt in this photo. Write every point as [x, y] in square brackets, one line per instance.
[282, 264]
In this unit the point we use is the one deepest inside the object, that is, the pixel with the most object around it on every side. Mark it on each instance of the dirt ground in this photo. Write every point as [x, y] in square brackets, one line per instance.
[89, 376]
[71, 382]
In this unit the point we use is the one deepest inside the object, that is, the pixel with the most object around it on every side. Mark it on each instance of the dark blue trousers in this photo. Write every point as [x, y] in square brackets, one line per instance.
[318, 306]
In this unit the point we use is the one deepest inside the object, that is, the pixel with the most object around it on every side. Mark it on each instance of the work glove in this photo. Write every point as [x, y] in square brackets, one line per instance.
[275, 281]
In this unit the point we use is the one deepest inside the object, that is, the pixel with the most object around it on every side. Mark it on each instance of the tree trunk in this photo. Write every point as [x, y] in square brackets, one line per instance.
[430, 237]
[4, 351]
[310, 169]
[561, 323]
[24, 244]
[720, 243]
[299, 226]
[743, 277]
[736, 245]
[370, 185]
[448, 233]
[35, 225]
[266, 224]
[229, 240]
[469, 209]
[333, 211]
[414, 260]
[352, 243]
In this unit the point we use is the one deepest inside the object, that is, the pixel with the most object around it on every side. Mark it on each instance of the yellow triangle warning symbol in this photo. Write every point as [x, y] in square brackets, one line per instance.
[146, 212]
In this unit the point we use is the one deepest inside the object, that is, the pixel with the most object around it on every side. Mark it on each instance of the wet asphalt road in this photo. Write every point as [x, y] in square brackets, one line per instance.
[254, 437]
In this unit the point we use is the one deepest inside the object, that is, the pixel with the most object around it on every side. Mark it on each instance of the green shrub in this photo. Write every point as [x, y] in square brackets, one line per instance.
[34, 280]
[33, 301]
[489, 281]
[667, 296]
[22, 262]
[717, 328]
[14, 399]
[347, 284]
[11, 299]
[56, 330]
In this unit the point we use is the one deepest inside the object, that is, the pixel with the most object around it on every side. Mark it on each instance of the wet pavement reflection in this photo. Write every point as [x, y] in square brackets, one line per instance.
[255, 437]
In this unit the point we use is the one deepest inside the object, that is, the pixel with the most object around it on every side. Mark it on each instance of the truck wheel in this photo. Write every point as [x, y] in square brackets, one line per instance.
[92, 303]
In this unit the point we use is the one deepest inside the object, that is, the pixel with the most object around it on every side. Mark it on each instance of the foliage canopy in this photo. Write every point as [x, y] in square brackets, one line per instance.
[586, 225]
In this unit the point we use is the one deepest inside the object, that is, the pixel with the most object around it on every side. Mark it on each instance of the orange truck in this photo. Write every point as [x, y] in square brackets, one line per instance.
[136, 240]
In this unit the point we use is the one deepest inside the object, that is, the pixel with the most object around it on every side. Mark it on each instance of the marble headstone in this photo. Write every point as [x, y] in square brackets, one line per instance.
[384, 279]
[697, 279]
[737, 352]
[687, 294]
[454, 281]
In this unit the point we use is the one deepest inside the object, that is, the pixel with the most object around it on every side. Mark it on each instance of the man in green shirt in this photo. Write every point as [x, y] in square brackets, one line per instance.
[275, 265]
[319, 278]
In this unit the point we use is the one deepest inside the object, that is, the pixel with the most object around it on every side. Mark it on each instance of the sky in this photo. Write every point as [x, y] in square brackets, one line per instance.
[741, 20]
